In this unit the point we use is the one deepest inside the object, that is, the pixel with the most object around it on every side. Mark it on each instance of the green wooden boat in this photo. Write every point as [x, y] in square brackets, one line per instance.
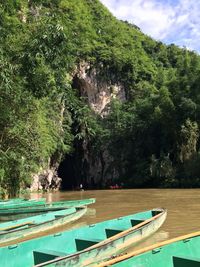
[25, 211]
[12, 200]
[83, 246]
[21, 203]
[183, 251]
[13, 230]
[18, 200]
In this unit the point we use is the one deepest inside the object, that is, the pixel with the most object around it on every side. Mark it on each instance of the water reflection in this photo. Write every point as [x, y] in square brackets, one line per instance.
[91, 212]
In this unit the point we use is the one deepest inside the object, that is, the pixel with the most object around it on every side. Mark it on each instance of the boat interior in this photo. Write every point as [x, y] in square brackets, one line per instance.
[95, 234]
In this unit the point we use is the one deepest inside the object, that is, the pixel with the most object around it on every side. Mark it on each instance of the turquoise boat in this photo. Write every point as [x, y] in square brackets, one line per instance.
[26, 211]
[12, 200]
[85, 245]
[12, 204]
[13, 230]
[183, 251]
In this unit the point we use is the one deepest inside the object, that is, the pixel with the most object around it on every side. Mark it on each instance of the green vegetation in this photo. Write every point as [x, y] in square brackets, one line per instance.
[152, 138]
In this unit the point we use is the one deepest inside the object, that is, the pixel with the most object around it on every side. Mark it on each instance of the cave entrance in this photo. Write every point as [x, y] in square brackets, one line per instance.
[67, 171]
[73, 171]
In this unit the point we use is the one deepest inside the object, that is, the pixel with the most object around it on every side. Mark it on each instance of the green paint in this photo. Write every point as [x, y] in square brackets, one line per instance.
[10, 231]
[41, 208]
[183, 253]
[73, 241]
[12, 204]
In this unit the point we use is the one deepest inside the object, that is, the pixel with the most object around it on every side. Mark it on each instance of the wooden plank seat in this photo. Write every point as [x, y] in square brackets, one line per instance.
[134, 222]
[114, 231]
[43, 255]
[59, 216]
[85, 243]
[155, 212]
[185, 261]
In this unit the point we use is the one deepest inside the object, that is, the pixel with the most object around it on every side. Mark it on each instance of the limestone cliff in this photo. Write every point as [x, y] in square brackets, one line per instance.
[46, 180]
[98, 94]
[98, 91]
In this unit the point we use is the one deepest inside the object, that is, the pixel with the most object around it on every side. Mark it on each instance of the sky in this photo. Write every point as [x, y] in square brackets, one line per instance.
[170, 21]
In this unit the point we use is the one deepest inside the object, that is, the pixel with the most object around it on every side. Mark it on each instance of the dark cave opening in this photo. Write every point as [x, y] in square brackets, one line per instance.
[73, 169]
[67, 171]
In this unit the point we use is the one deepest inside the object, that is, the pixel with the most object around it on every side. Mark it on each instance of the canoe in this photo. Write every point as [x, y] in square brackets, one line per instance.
[183, 251]
[20, 200]
[21, 204]
[21, 212]
[12, 200]
[13, 230]
[83, 246]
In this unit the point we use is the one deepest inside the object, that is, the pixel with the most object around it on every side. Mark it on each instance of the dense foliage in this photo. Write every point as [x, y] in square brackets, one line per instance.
[152, 138]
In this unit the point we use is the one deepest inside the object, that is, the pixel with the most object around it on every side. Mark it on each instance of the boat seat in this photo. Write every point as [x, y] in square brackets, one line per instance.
[59, 216]
[85, 243]
[135, 222]
[155, 212]
[114, 231]
[185, 261]
[43, 255]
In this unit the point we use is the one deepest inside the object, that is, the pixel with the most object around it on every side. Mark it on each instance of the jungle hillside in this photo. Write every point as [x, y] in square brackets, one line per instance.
[94, 100]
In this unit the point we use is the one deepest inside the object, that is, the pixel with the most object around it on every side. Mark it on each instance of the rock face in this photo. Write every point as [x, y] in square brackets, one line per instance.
[98, 92]
[46, 180]
[101, 172]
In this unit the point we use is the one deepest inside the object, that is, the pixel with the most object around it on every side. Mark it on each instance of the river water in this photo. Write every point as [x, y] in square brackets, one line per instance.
[183, 207]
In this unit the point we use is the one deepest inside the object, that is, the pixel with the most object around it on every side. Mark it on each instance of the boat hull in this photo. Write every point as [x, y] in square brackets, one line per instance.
[86, 245]
[41, 223]
[112, 247]
[11, 204]
[183, 251]
[16, 213]
[12, 200]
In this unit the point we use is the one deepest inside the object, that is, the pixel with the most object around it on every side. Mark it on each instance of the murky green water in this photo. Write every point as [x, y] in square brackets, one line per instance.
[183, 207]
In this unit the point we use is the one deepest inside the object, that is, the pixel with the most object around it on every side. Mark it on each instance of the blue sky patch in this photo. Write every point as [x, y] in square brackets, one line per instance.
[170, 21]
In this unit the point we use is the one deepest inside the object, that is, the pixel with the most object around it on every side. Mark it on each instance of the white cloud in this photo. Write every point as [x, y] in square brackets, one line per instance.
[170, 21]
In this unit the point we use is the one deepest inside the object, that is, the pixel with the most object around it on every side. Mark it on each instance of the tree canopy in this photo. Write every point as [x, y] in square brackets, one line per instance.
[152, 138]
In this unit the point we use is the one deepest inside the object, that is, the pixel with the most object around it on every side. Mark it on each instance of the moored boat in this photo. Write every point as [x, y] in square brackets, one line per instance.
[85, 245]
[15, 204]
[183, 251]
[12, 200]
[26, 211]
[13, 230]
